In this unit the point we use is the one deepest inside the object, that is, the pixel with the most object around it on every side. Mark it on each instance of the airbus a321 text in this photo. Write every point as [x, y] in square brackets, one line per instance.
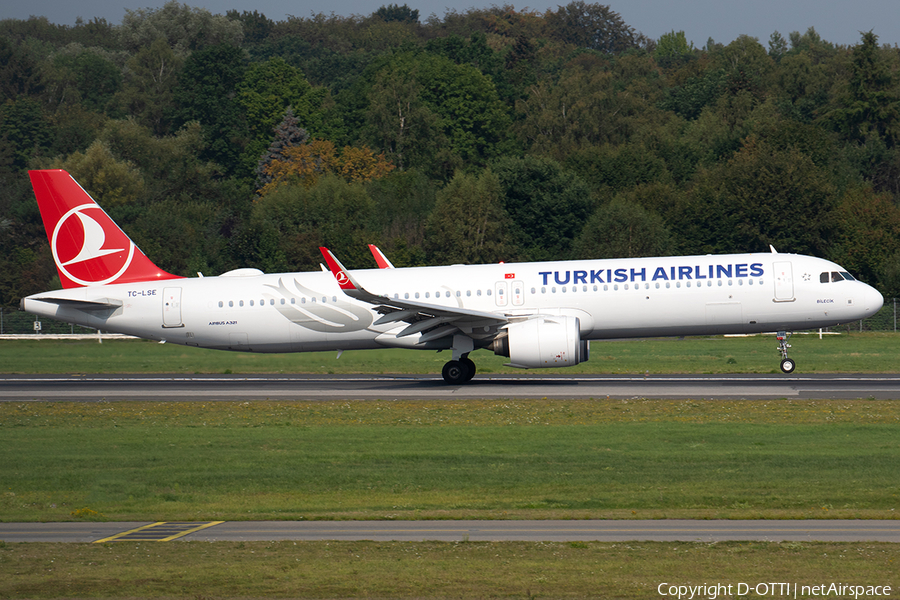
[539, 314]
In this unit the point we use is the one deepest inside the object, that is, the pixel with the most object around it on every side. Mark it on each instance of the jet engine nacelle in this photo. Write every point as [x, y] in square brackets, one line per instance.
[542, 342]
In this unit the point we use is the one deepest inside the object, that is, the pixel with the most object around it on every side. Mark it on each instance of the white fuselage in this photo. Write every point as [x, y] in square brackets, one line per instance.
[615, 298]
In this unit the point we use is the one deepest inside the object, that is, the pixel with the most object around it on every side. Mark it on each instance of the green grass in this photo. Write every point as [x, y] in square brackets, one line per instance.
[471, 459]
[467, 459]
[849, 353]
[429, 569]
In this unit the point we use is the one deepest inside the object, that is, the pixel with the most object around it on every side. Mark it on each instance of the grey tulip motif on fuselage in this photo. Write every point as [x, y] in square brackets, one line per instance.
[313, 310]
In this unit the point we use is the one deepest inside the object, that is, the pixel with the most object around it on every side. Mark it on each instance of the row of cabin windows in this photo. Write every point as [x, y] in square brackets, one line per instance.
[240, 303]
[563, 289]
[574, 288]
[437, 294]
[553, 290]
[835, 276]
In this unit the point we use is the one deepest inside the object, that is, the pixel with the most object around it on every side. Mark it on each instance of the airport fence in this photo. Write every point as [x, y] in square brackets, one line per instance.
[14, 321]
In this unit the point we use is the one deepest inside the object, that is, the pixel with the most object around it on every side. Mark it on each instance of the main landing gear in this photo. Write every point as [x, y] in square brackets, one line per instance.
[787, 364]
[459, 371]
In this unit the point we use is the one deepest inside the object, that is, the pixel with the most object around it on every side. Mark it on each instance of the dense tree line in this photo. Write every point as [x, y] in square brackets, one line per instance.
[221, 141]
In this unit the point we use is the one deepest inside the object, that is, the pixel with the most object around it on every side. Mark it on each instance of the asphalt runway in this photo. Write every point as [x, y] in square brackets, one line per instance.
[458, 531]
[110, 388]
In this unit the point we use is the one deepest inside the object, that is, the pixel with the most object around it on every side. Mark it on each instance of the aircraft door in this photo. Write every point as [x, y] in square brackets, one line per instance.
[784, 282]
[518, 293]
[172, 307]
[501, 292]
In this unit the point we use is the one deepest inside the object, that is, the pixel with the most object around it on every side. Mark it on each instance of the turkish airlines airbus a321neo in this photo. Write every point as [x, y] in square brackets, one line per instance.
[537, 314]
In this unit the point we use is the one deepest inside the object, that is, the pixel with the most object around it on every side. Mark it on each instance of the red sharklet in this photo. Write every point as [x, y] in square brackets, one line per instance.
[88, 248]
[337, 269]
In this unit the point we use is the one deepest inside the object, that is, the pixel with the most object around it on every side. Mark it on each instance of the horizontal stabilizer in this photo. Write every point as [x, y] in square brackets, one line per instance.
[98, 304]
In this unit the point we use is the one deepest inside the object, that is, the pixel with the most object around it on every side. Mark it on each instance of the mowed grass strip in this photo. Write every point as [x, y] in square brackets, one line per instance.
[846, 353]
[472, 459]
[429, 569]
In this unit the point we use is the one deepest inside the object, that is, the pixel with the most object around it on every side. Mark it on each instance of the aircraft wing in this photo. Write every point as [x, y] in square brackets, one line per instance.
[433, 321]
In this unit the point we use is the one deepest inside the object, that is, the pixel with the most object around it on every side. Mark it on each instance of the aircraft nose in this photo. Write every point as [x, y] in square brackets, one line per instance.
[873, 300]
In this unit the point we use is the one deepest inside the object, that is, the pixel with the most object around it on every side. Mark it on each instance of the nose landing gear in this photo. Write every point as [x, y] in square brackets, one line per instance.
[787, 364]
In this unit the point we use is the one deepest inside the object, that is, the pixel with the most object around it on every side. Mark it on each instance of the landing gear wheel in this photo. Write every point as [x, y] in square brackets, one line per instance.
[470, 367]
[455, 371]
[787, 365]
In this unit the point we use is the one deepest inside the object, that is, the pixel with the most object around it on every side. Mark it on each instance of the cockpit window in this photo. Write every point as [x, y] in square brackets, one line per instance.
[835, 276]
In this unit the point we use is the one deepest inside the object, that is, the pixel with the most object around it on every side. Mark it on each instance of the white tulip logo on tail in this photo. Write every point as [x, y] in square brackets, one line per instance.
[103, 254]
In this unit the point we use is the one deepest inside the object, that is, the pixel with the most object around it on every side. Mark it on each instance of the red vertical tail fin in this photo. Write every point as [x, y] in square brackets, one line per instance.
[88, 247]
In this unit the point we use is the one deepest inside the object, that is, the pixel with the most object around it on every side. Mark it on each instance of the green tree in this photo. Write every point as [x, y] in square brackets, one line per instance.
[80, 75]
[400, 123]
[264, 93]
[611, 169]
[468, 222]
[746, 66]
[256, 26]
[623, 229]
[547, 205]
[19, 74]
[591, 104]
[206, 93]
[148, 92]
[871, 105]
[111, 181]
[592, 26]
[395, 13]
[812, 44]
[890, 276]
[95, 33]
[184, 28]
[454, 101]
[801, 87]
[172, 166]
[761, 196]
[672, 49]
[694, 93]
[778, 46]
[403, 201]
[290, 224]
[867, 237]
[25, 128]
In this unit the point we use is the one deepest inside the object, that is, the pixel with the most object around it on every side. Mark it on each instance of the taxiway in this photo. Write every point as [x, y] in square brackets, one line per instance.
[458, 531]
